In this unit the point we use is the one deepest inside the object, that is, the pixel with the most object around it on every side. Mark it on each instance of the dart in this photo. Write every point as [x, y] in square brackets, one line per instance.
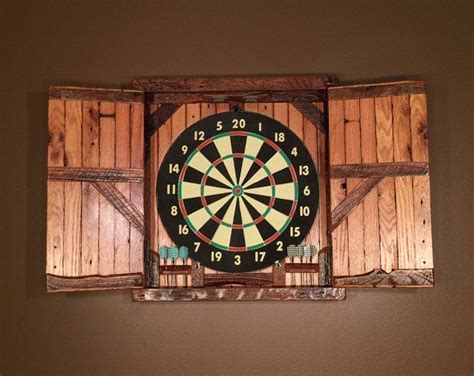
[164, 257]
[173, 255]
[183, 255]
[292, 251]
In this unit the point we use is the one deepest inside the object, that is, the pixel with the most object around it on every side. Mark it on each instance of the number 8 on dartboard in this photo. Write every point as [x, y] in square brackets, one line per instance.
[237, 188]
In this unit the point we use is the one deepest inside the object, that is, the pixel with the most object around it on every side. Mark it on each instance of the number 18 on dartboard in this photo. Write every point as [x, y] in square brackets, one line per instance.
[236, 189]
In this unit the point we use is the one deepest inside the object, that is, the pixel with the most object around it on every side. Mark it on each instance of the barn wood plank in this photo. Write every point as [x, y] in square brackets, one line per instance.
[355, 217]
[421, 184]
[232, 97]
[91, 94]
[370, 203]
[352, 200]
[386, 188]
[385, 89]
[311, 142]
[94, 174]
[403, 185]
[121, 204]
[72, 190]
[106, 209]
[90, 196]
[239, 294]
[159, 117]
[55, 202]
[396, 278]
[248, 279]
[94, 282]
[232, 83]
[372, 170]
[312, 113]
[338, 186]
[122, 160]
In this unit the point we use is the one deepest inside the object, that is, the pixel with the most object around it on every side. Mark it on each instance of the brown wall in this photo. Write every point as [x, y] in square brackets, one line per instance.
[107, 43]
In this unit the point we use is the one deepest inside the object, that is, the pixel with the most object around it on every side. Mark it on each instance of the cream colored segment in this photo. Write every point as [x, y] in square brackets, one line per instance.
[200, 217]
[283, 191]
[251, 234]
[193, 190]
[274, 217]
[223, 233]
[210, 190]
[202, 164]
[263, 191]
[274, 164]
[252, 148]
[224, 147]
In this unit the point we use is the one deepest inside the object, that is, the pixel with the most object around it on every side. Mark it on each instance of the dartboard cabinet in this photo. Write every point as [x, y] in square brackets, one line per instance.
[238, 188]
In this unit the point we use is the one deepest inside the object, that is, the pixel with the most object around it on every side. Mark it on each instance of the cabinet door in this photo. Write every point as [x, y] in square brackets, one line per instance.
[380, 188]
[95, 219]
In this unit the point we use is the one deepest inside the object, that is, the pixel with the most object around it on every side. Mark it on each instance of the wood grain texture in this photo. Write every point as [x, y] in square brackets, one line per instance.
[57, 283]
[72, 190]
[421, 184]
[403, 185]
[248, 279]
[90, 94]
[239, 294]
[387, 206]
[122, 160]
[338, 186]
[106, 210]
[312, 113]
[232, 83]
[396, 278]
[368, 144]
[159, 117]
[90, 196]
[352, 200]
[324, 261]
[372, 170]
[179, 98]
[94, 174]
[55, 203]
[355, 217]
[385, 89]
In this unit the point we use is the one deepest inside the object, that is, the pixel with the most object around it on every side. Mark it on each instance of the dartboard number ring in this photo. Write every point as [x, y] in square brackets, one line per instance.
[237, 188]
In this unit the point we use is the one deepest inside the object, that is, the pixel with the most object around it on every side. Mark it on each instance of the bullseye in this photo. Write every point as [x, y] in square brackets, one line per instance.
[237, 190]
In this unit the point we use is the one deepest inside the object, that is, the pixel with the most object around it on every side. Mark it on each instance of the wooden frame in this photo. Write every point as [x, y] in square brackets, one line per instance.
[330, 115]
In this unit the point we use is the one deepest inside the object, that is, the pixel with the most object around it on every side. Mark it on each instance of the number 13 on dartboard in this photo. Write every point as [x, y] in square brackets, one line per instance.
[237, 188]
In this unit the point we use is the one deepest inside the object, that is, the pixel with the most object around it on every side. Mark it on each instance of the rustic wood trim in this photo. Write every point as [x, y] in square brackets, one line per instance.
[373, 170]
[197, 274]
[351, 201]
[384, 89]
[233, 83]
[279, 274]
[56, 283]
[324, 275]
[313, 114]
[239, 294]
[159, 117]
[122, 204]
[152, 265]
[249, 279]
[132, 175]
[293, 267]
[95, 94]
[175, 269]
[319, 95]
[397, 278]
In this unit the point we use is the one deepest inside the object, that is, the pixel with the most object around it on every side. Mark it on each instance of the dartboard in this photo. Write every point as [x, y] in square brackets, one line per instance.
[236, 189]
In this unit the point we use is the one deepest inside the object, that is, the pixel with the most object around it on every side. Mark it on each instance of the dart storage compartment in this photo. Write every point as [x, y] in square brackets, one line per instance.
[238, 159]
